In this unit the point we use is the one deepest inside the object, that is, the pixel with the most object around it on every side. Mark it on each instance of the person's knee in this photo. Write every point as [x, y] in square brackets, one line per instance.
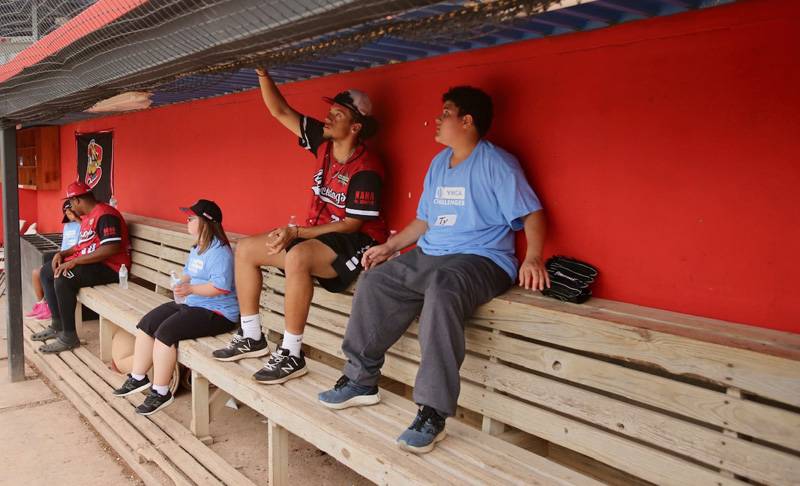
[45, 272]
[246, 249]
[62, 285]
[377, 279]
[164, 336]
[443, 283]
[299, 259]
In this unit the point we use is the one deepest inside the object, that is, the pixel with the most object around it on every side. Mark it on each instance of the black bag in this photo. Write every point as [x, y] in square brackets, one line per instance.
[570, 279]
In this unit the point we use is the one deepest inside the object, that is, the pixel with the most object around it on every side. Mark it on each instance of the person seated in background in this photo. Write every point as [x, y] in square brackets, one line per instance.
[474, 198]
[102, 249]
[344, 219]
[69, 238]
[205, 305]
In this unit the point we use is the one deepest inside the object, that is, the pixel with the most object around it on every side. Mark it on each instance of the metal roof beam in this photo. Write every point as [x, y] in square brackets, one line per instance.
[626, 7]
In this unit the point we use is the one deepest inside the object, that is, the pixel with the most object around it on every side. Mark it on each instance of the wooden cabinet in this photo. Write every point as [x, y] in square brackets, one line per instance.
[39, 158]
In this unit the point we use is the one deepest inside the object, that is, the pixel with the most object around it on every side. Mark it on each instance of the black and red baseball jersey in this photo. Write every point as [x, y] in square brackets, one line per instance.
[352, 189]
[104, 225]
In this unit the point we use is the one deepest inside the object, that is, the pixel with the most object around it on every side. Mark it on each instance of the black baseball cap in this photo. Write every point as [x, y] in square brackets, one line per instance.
[354, 100]
[64, 208]
[205, 209]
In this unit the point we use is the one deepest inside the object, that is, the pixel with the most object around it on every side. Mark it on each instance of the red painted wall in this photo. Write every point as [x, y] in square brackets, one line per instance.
[28, 208]
[665, 152]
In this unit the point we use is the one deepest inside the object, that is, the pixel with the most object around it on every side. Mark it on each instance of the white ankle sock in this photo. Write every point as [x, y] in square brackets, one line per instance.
[161, 389]
[292, 342]
[251, 326]
[137, 377]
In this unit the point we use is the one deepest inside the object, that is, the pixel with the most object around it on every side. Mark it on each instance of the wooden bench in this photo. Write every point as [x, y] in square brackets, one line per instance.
[618, 392]
[361, 439]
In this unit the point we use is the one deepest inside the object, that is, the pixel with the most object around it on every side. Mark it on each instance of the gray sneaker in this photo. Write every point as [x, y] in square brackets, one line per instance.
[48, 333]
[423, 434]
[345, 394]
[60, 344]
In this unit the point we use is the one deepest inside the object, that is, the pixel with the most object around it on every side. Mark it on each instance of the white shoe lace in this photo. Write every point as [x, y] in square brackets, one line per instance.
[275, 359]
[235, 341]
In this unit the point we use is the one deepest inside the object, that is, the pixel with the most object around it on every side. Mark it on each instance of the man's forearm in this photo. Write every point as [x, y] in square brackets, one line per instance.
[102, 253]
[535, 231]
[272, 97]
[68, 252]
[409, 235]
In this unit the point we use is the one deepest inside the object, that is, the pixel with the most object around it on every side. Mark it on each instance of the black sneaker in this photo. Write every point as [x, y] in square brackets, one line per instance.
[154, 402]
[242, 347]
[423, 434]
[131, 386]
[281, 367]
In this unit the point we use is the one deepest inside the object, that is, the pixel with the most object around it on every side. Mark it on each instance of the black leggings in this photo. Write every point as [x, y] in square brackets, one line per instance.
[171, 322]
[62, 293]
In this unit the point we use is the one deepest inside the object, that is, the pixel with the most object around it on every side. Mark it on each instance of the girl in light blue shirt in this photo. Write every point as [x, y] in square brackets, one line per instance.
[205, 305]
[69, 237]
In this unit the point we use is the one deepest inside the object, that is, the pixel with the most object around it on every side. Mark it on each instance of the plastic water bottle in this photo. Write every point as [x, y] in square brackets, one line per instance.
[174, 281]
[123, 277]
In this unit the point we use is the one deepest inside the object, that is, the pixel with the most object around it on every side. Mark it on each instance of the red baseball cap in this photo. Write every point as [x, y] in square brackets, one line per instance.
[77, 188]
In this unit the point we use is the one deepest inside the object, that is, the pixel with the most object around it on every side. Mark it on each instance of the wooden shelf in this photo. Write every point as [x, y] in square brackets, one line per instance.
[39, 158]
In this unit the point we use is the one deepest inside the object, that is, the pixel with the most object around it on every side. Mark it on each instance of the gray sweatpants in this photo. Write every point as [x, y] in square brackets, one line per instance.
[444, 291]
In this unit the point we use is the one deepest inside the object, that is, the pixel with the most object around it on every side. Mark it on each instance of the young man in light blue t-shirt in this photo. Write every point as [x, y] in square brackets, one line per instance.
[475, 197]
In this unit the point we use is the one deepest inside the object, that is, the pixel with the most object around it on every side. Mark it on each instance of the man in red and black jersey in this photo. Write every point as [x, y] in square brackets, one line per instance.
[102, 249]
[344, 220]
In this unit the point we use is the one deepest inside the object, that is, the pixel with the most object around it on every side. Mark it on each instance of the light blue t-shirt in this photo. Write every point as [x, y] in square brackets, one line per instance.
[475, 207]
[214, 266]
[70, 235]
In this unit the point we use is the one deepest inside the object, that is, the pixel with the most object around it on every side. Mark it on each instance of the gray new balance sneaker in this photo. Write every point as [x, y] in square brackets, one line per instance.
[423, 434]
[131, 386]
[242, 347]
[154, 402]
[281, 367]
[345, 394]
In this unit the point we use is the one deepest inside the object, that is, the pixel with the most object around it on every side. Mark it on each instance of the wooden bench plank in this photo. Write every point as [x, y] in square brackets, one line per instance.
[176, 239]
[159, 251]
[759, 339]
[153, 263]
[772, 377]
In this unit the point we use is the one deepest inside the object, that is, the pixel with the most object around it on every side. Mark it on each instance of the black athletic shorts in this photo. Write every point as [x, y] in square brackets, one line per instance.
[349, 247]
